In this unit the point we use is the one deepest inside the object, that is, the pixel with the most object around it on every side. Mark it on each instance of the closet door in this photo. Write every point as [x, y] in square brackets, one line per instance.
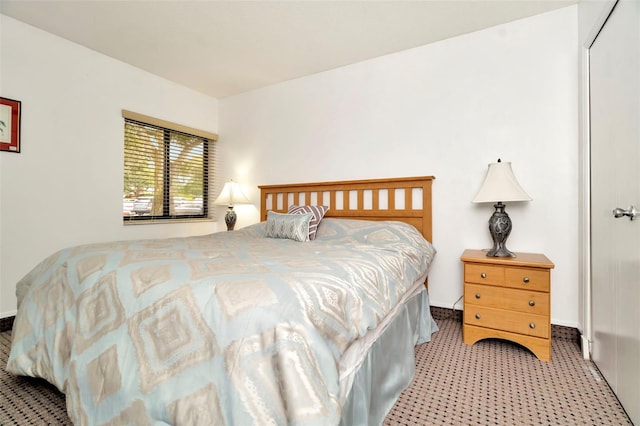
[614, 69]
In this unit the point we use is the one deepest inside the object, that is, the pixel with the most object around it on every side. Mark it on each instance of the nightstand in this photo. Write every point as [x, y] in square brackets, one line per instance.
[508, 298]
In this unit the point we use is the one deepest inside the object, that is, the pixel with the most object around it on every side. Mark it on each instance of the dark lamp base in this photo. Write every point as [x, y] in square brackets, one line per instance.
[230, 219]
[500, 252]
[500, 228]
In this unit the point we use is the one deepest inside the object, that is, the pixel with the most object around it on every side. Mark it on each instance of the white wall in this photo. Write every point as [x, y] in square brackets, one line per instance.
[65, 187]
[445, 109]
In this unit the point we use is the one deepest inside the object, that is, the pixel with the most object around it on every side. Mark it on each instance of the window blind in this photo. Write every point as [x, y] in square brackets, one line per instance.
[166, 172]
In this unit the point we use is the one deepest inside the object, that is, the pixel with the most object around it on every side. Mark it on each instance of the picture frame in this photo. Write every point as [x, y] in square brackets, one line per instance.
[10, 125]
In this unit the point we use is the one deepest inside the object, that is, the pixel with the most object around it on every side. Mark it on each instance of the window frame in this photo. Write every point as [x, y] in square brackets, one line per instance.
[208, 157]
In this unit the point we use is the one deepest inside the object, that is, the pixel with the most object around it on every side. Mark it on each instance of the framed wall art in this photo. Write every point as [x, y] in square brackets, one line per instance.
[9, 125]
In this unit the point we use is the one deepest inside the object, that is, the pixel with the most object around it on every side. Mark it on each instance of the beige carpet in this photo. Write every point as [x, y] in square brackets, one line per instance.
[495, 382]
[490, 383]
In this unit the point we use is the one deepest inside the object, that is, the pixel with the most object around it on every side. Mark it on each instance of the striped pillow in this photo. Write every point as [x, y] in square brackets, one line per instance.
[318, 214]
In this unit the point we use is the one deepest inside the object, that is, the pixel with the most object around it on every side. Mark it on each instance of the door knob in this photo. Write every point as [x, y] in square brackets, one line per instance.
[631, 212]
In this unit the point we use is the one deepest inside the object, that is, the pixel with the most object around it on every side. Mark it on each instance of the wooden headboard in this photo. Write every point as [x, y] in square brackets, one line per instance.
[403, 199]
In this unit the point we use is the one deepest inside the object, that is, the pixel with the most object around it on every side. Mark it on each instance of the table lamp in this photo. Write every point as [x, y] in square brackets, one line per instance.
[500, 185]
[231, 194]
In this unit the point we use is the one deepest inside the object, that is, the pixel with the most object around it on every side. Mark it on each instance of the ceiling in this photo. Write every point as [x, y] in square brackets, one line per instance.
[222, 48]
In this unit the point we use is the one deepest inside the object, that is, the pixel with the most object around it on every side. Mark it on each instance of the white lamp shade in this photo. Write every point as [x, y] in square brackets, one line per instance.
[500, 184]
[232, 194]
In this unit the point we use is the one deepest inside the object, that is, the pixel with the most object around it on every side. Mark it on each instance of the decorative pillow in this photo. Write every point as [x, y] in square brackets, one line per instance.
[318, 213]
[292, 226]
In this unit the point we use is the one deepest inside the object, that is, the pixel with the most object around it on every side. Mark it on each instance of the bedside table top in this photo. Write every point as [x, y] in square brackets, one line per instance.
[521, 259]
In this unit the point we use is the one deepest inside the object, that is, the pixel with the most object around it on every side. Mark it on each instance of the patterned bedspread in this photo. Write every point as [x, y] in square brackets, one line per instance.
[228, 328]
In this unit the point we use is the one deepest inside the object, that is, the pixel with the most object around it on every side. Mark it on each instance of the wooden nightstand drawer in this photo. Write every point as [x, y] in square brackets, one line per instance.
[506, 298]
[483, 274]
[499, 319]
[527, 278]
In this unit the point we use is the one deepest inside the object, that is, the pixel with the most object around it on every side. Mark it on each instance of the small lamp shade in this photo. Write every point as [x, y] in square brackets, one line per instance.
[500, 185]
[231, 194]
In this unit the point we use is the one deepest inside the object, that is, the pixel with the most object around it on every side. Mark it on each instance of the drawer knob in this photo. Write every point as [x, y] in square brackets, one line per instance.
[477, 316]
[483, 275]
[532, 325]
[532, 303]
[526, 280]
[477, 295]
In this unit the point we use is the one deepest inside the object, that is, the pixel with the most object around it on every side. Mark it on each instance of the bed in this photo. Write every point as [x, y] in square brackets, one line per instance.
[263, 325]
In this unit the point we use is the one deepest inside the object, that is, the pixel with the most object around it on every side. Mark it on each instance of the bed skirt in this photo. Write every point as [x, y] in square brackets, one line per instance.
[389, 367]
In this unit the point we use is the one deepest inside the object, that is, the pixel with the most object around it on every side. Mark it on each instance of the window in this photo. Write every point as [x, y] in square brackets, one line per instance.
[166, 170]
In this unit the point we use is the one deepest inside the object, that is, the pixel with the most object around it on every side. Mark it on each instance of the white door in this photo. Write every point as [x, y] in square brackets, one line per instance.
[614, 84]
